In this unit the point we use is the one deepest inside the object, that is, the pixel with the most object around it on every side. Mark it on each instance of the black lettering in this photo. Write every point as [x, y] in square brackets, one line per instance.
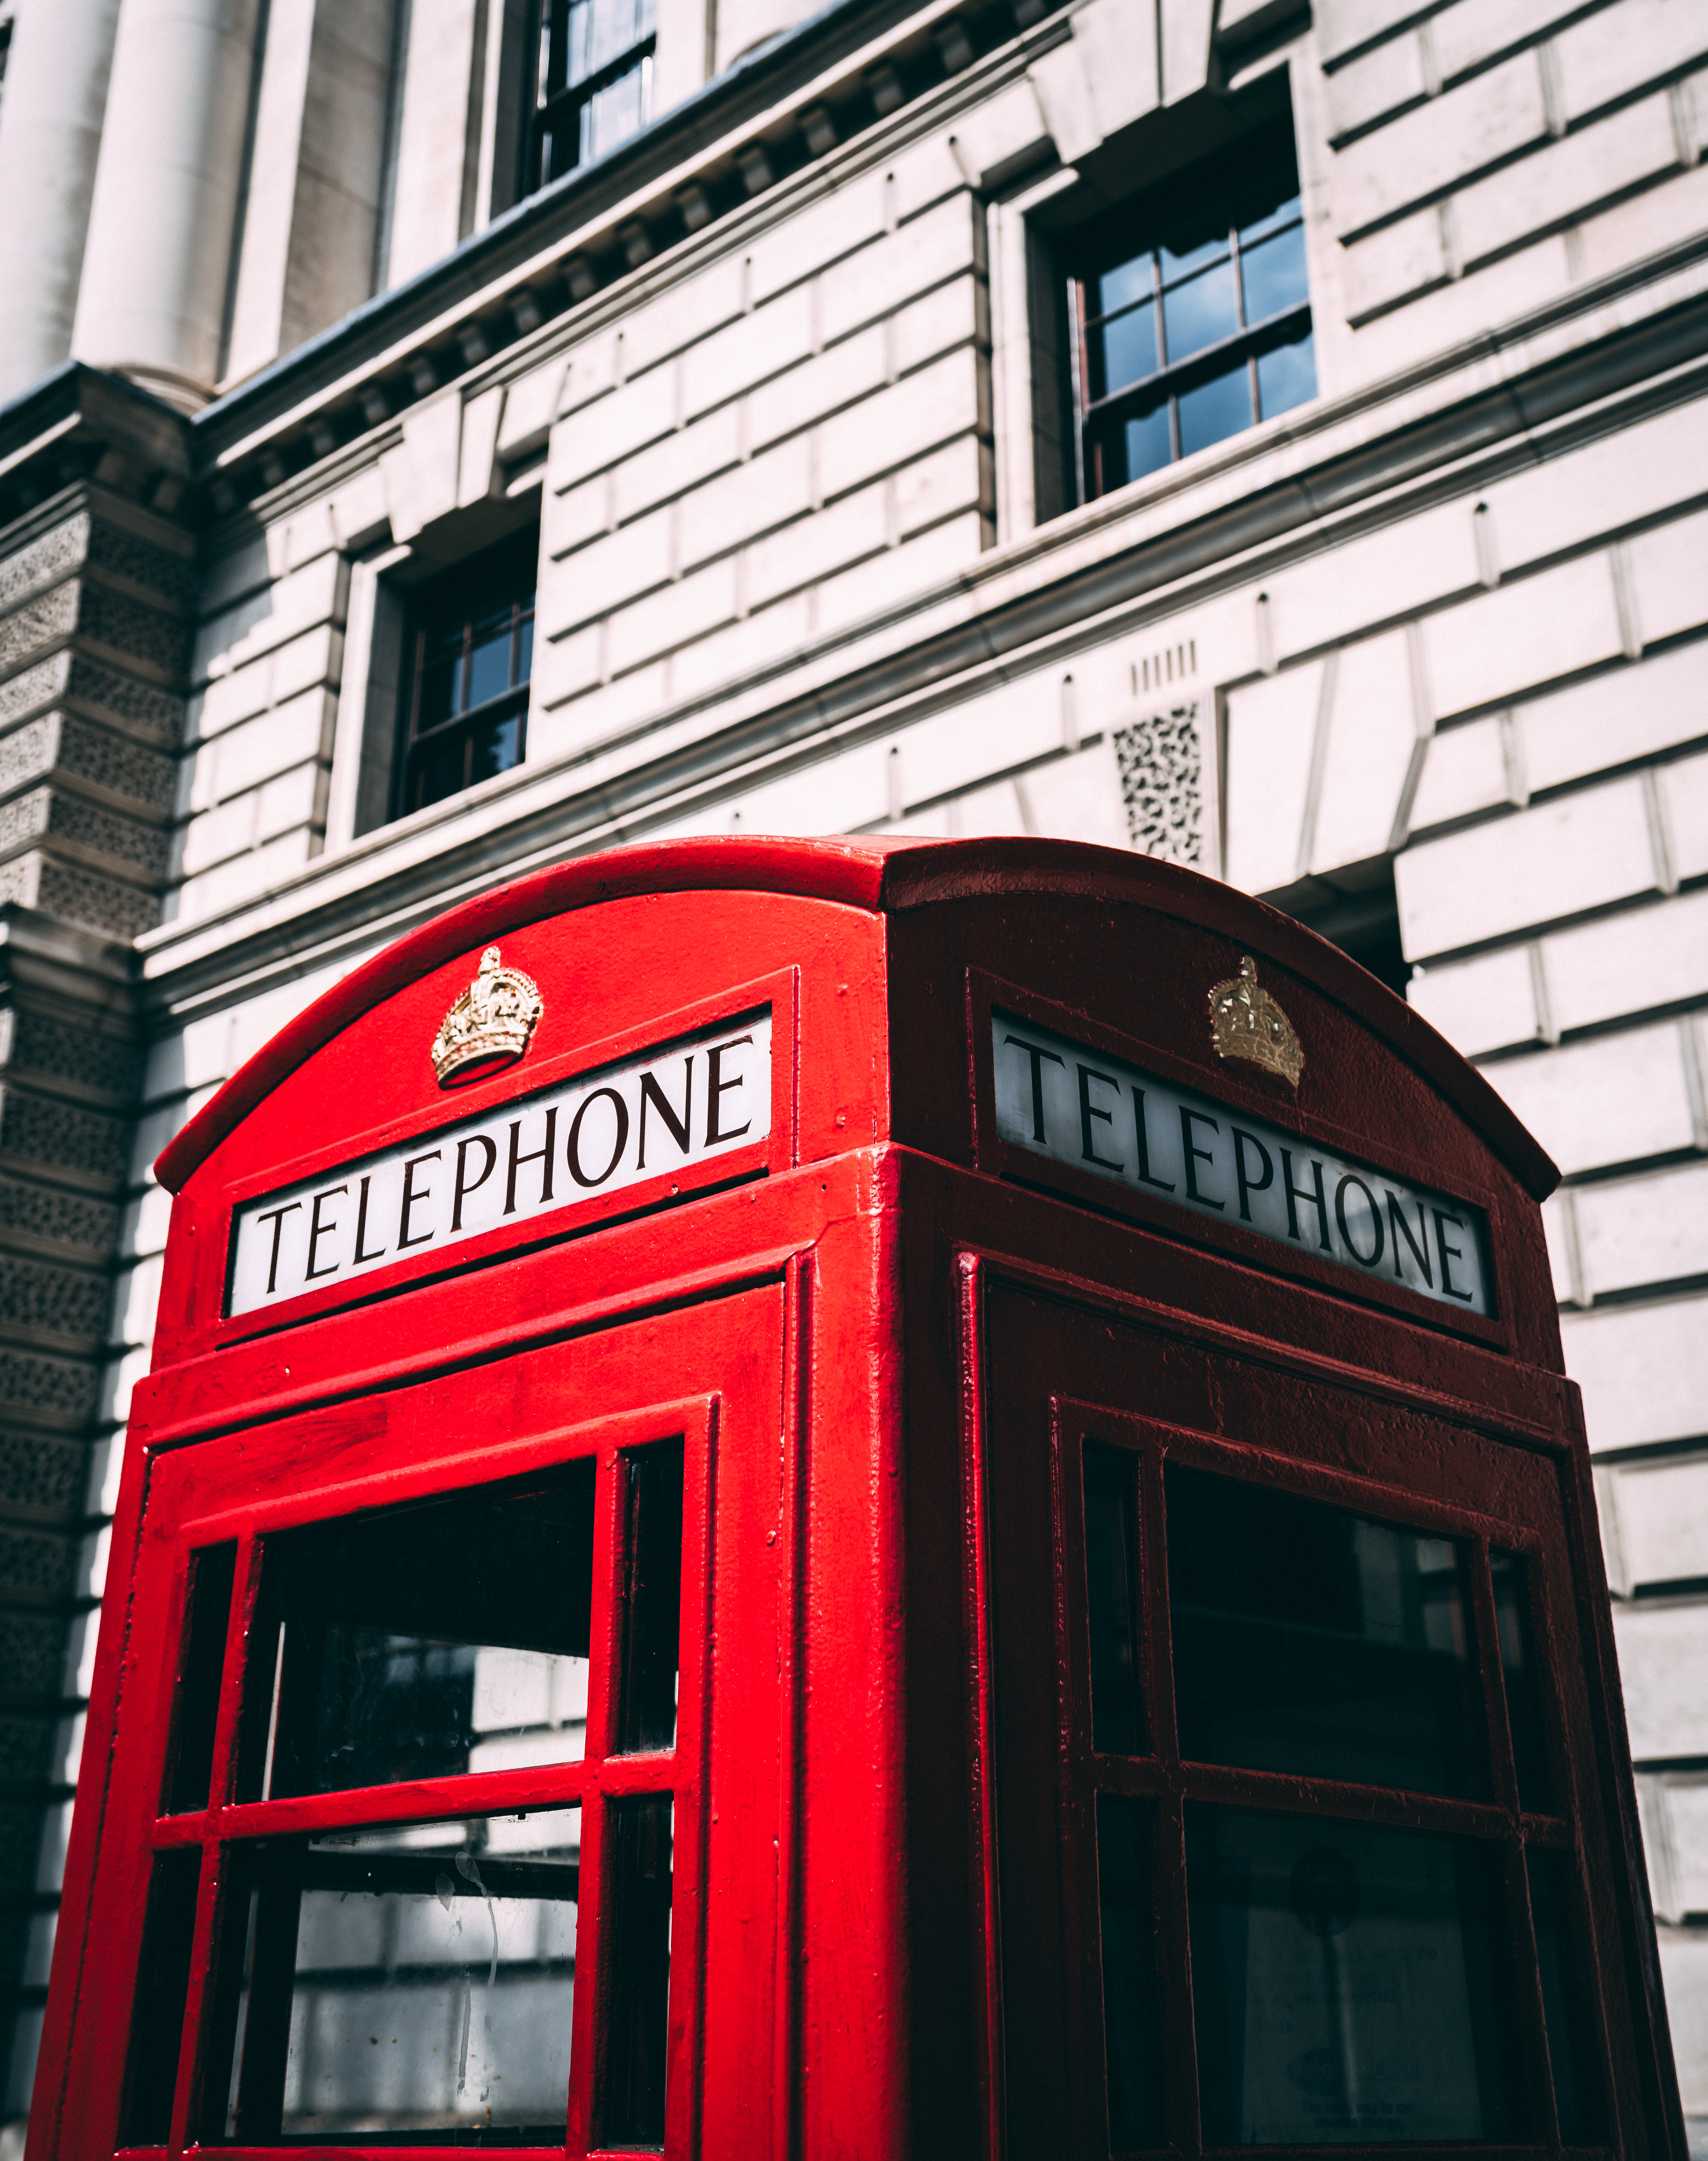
[1162, 1185]
[543, 1156]
[715, 1088]
[1448, 1253]
[1375, 1218]
[276, 1217]
[1300, 1193]
[362, 1224]
[410, 1197]
[1088, 1111]
[1398, 1229]
[1247, 1187]
[1195, 1153]
[1038, 1057]
[464, 1185]
[651, 1092]
[317, 1230]
[576, 1172]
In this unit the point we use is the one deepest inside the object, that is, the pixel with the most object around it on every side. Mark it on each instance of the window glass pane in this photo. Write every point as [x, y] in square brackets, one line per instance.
[1524, 1680]
[163, 1988]
[632, 2111]
[653, 1604]
[393, 1635]
[441, 768]
[1123, 351]
[1350, 1985]
[1136, 446]
[1311, 1640]
[414, 1983]
[1120, 287]
[524, 650]
[441, 690]
[1191, 252]
[1112, 1571]
[1257, 226]
[1273, 275]
[1215, 409]
[195, 1713]
[1199, 312]
[1573, 2049]
[489, 665]
[610, 116]
[1287, 377]
[496, 747]
[1127, 1907]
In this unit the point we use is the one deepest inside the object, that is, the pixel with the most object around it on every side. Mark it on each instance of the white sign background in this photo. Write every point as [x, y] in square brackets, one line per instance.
[665, 1111]
[1059, 1099]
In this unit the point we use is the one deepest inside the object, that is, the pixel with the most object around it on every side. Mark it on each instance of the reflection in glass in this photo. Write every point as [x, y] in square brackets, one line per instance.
[1312, 1640]
[1126, 1909]
[1111, 1581]
[1125, 282]
[632, 2107]
[1272, 274]
[447, 1636]
[1215, 409]
[1146, 442]
[1284, 213]
[1524, 1680]
[652, 1599]
[196, 1708]
[163, 1985]
[1123, 352]
[1573, 2049]
[1287, 377]
[1350, 1985]
[413, 1983]
[1199, 312]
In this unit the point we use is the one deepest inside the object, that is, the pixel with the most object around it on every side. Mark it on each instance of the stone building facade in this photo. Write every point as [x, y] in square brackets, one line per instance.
[448, 434]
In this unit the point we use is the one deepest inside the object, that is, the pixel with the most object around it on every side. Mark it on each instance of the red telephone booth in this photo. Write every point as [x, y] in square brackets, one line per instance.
[814, 1498]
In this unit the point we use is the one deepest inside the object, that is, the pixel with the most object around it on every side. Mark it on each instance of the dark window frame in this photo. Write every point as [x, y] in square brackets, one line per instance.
[558, 101]
[460, 597]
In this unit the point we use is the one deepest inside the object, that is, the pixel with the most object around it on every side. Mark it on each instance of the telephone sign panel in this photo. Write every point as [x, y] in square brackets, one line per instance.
[809, 1498]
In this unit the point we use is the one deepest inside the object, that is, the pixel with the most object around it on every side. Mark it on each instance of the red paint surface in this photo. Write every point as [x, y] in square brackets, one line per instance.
[875, 1339]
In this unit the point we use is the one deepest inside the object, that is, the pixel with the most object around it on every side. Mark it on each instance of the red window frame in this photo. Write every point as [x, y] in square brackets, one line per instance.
[383, 1476]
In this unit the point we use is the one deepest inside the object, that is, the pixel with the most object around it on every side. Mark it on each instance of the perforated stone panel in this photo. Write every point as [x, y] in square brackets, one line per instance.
[1162, 782]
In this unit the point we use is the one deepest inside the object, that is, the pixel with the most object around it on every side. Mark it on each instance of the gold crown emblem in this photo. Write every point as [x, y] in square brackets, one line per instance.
[489, 1025]
[1246, 1023]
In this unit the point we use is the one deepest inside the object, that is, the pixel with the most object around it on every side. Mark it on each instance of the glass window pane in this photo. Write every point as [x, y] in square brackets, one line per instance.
[1189, 252]
[1127, 450]
[1311, 1640]
[524, 650]
[1350, 1985]
[441, 691]
[496, 747]
[394, 1637]
[406, 1984]
[1199, 312]
[633, 2104]
[653, 1601]
[1573, 2050]
[1215, 409]
[489, 666]
[1523, 1679]
[1273, 275]
[1111, 1581]
[1119, 288]
[201, 1660]
[1287, 377]
[440, 768]
[1131, 2015]
[610, 116]
[1255, 227]
[163, 1988]
[1123, 351]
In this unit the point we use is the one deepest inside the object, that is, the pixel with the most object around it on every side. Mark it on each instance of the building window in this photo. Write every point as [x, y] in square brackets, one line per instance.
[593, 83]
[1189, 314]
[469, 653]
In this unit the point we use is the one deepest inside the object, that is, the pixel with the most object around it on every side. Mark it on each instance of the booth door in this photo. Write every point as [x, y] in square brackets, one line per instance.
[410, 1811]
[1298, 1839]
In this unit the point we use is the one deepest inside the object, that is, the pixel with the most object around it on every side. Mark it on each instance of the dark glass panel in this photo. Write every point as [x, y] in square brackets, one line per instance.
[1312, 1640]
[447, 1636]
[1191, 251]
[1120, 287]
[1273, 276]
[489, 665]
[1136, 446]
[412, 1984]
[632, 2112]
[1111, 1581]
[163, 1989]
[1256, 226]
[441, 690]
[524, 650]
[1350, 1985]
[195, 1713]
[441, 768]
[653, 1618]
[1123, 351]
[1287, 376]
[1215, 409]
[1132, 1999]
[1573, 2049]
[1524, 1680]
[1199, 312]
[495, 748]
